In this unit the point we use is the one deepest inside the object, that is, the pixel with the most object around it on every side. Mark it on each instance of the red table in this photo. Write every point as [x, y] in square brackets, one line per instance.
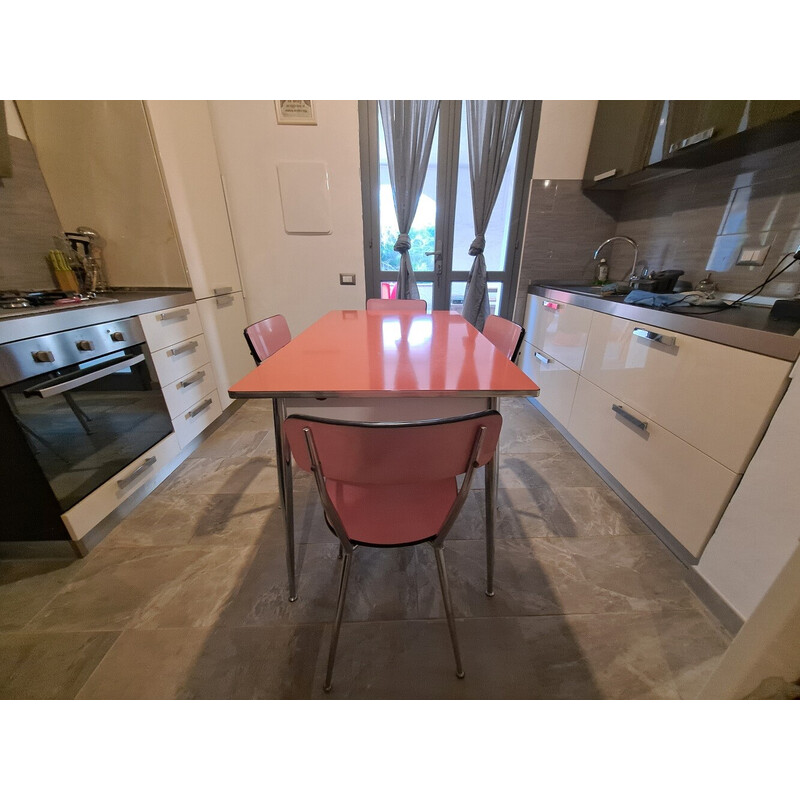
[388, 366]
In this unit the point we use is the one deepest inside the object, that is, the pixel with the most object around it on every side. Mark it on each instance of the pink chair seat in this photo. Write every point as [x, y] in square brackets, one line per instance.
[381, 515]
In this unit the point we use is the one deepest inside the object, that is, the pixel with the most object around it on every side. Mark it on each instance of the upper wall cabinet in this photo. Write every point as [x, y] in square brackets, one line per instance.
[635, 140]
[621, 141]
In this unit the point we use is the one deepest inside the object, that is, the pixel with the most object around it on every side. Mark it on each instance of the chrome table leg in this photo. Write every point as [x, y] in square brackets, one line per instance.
[490, 483]
[284, 463]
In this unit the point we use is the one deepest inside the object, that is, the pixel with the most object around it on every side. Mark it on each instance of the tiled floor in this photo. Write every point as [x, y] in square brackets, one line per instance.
[186, 598]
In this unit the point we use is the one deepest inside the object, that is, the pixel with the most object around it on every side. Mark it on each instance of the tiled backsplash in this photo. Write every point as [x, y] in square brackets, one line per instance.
[28, 223]
[697, 221]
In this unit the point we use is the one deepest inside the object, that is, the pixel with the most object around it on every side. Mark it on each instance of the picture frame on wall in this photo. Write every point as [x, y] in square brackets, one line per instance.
[295, 112]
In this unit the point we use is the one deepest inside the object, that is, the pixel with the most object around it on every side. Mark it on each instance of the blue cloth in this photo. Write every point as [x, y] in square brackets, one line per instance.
[638, 297]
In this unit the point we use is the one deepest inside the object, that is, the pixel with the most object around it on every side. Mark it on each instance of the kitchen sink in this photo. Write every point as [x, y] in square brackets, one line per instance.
[609, 290]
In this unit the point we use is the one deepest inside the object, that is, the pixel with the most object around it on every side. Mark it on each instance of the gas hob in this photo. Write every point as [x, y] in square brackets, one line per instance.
[20, 304]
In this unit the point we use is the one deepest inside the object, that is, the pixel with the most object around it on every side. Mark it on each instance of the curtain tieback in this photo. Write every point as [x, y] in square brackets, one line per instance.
[403, 243]
[477, 246]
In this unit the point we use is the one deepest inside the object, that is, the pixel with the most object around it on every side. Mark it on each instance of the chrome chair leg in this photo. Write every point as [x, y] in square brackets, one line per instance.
[448, 608]
[338, 622]
[491, 511]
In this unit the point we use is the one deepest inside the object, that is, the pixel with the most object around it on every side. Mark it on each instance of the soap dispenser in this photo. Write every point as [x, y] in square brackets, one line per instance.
[601, 274]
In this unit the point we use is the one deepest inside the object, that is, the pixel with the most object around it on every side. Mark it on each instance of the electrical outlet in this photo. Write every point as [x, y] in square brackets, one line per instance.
[347, 279]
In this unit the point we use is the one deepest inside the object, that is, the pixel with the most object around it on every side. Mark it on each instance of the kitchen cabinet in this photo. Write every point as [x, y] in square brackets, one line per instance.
[181, 360]
[621, 139]
[683, 488]
[717, 398]
[552, 351]
[187, 155]
[673, 418]
[635, 140]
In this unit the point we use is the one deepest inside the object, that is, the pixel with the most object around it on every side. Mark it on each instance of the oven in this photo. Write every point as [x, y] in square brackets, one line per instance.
[77, 407]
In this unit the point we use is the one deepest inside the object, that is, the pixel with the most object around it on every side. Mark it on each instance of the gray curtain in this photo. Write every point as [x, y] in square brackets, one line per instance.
[491, 125]
[408, 127]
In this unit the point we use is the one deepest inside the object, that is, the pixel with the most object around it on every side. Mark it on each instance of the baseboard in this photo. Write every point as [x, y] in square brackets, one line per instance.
[715, 604]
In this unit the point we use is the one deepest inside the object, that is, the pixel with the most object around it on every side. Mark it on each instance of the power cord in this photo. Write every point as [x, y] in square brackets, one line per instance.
[754, 292]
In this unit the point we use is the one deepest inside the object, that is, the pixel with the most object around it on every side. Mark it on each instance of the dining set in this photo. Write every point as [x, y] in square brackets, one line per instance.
[392, 410]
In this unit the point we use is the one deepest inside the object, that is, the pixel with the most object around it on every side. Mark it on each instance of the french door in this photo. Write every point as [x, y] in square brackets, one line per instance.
[443, 227]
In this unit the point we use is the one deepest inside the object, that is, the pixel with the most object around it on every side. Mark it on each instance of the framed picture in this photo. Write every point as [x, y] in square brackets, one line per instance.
[295, 112]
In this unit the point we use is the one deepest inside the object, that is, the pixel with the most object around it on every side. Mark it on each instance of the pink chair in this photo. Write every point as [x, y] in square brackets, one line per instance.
[392, 485]
[379, 304]
[504, 335]
[267, 336]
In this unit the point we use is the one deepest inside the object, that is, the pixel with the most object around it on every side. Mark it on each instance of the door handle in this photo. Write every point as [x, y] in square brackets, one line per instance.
[652, 336]
[146, 464]
[626, 415]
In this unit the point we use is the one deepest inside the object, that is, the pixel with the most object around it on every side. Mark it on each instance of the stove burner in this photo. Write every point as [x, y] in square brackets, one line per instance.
[28, 299]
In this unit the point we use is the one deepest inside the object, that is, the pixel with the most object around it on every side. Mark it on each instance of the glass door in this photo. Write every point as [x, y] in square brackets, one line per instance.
[443, 227]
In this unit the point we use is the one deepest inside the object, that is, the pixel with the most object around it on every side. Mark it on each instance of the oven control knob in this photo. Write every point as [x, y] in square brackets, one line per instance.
[117, 336]
[84, 344]
[42, 356]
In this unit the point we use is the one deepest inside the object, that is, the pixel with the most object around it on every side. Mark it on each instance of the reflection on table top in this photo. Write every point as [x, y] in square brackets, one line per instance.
[374, 354]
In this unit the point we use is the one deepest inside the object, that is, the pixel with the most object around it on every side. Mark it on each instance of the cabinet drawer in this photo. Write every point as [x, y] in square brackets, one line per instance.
[196, 418]
[148, 470]
[180, 359]
[717, 398]
[557, 382]
[558, 329]
[684, 489]
[163, 328]
[189, 389]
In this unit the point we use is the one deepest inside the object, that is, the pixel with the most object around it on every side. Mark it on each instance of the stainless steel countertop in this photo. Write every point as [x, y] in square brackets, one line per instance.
[747, 328]
[129, 303]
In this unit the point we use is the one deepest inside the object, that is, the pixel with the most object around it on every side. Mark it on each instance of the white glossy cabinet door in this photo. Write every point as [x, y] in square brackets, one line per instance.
[184, 142]
[224, 321]
[717, 398]
[556, 382]
[684, 489]
[558, 329]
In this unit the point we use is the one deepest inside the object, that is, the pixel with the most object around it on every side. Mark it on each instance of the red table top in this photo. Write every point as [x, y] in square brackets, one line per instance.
[380, 354]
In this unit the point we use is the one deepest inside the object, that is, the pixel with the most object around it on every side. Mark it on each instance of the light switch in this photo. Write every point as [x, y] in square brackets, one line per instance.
[347, 279]
[753, 256]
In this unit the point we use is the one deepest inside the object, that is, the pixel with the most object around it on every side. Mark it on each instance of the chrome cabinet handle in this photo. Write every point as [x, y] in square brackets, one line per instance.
[180, 313]
[184, 348]
[652, 336]
[550, 304]
[223, 290]
[543, 359]
[619, 410]
[224, 300]
[198, 376]
[603, 175]
[146, 464]
[696, 138]
[199, 409]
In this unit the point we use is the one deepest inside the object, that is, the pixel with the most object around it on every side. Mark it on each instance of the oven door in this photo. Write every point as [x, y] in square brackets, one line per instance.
[85, 423]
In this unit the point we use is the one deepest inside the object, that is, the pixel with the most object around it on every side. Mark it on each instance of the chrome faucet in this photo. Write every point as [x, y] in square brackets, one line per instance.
[633, 276]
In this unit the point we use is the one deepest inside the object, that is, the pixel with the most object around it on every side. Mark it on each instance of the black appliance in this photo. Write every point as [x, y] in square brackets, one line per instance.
[76, 407]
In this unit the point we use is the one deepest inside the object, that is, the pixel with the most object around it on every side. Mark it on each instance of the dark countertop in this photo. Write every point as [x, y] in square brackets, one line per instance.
[747, 327]
[127, 303]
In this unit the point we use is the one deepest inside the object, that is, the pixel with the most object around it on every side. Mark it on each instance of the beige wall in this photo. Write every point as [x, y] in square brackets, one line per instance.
[294, 275]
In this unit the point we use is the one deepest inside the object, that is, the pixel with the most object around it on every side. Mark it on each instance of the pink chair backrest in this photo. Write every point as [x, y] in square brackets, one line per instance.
[379, 304]
[267, 336]
[394, 454]
[504, 335]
